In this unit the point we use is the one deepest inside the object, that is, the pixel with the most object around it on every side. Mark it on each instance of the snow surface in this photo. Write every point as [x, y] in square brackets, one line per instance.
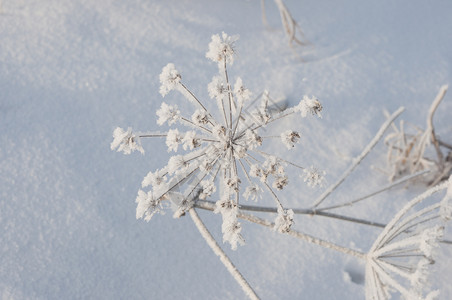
[72, 71]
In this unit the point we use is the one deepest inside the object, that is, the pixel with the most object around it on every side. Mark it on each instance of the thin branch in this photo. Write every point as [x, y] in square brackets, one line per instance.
[278, 202]
[279, 158]
[195, 125]
[210, 205]
[387, 187]
[358, 159]
[303, 236]
[223, 257]
[444, 144]
[430, 128]
[229, 93]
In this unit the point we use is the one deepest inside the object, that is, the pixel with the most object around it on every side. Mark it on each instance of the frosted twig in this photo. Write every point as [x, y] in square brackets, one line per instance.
[387, 187]
[222, 255]
[289, 24]
[303, 236]
[358, 159]
[391, 227]
[430, 128]
[265, 154]
[210, 205]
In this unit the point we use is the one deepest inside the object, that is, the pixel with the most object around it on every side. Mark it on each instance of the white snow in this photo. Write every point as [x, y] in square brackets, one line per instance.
[73, 71]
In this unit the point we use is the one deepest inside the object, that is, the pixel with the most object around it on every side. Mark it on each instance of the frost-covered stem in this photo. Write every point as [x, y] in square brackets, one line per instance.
[204, 174]
[237, 121]
[223, 257]
[279, 158]
[176, 183]
[405, 226]
[209, 205]
[278, 203]
[306, 237]
[152, 135]
[199, 102]
[430, 127]
[289, 23]
[224, 113]
[387, 187]
[197, 126]
[444, 144]
[229, 91]
[274, 119]
[194, 97]
[358, 159]
[237, 194]
[387, 278]
[166, 134]
[244, 171]
[264, 14]
[383, 237]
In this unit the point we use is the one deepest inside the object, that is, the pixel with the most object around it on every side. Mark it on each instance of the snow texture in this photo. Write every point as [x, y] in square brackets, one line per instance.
[73, 71]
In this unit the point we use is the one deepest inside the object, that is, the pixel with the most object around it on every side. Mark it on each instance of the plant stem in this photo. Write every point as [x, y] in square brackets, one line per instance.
[305, 237]
[223, 257]
[387, 187]
[358, 159]
[209, 205]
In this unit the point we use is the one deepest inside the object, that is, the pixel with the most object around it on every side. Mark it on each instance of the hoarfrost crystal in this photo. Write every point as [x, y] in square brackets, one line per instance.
[167, 113]
[169, 79]
[126, 141]
[290, 138]
[314, 177]
[221, 49]
[309, 106]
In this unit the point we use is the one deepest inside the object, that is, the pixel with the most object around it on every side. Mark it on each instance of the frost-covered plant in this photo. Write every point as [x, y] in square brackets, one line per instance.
[224, 152]
[223, 159]
[400, 258]
[407, 149]
[404, 250]
[290, 26]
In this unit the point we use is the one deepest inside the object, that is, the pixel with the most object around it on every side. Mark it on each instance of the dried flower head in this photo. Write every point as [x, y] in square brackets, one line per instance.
[221, 153]
[309, 106]
[221, 49]
[169, 79]
[126, 141]
[403, 251]
[313, 177]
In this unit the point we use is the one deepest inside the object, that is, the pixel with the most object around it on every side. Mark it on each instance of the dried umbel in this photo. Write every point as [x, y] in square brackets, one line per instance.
[400, 257]
[223, 157]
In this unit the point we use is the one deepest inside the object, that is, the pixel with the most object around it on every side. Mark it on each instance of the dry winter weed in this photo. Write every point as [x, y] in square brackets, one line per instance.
[223, 163]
